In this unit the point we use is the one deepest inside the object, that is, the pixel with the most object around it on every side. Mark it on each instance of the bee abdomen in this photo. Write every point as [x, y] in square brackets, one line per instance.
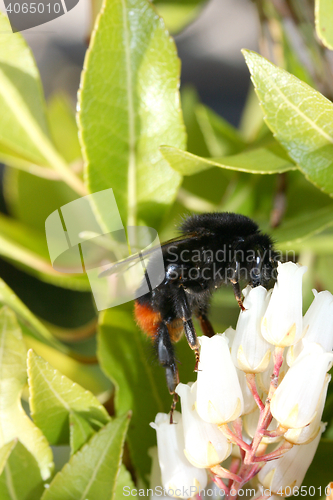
[147, 319]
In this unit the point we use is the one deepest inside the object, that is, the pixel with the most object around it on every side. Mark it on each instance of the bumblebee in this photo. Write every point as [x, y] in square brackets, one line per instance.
[213, 249]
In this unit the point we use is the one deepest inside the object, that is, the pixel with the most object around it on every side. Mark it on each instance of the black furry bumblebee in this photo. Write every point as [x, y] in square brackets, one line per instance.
[213, 249]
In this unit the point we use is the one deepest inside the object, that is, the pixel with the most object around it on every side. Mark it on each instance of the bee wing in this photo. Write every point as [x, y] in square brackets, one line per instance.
[127, 263]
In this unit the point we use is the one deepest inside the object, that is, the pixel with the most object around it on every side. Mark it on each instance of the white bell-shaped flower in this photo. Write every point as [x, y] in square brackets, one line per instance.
[287, 472]
[306, 434]
[282, 323]
[317, 324]
[219, 396]
[155, 482]
[250, 351]
[179, 478]
[205, 444]
[295, 401]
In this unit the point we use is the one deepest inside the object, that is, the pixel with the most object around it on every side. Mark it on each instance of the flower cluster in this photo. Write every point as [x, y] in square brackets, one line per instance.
[256, 407]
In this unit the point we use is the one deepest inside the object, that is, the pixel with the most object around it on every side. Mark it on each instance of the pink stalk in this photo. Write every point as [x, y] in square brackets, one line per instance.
[225, 473]
[274, 454]
[217, 480]
[251, 382]
[251, 462]
[233, 438]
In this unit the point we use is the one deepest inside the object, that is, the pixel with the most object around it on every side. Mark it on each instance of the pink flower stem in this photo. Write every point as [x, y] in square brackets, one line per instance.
[265, 415]
[251, 382]
[274, 454]
[225, 473]
[234, 466]
[233, 438]
[280, 431]
[218, 481]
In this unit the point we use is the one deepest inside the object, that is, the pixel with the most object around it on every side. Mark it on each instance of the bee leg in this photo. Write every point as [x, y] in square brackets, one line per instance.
[166, 357]
[235, 285]
[238, 294]
[205, 324]
[186, 316]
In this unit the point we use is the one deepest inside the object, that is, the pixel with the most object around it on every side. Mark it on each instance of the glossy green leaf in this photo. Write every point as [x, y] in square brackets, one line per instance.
[177, 15]
[20, 190]
[14, 422]
[124, 481]
[324, 22]
[53, 397]
[123, 353]
[21, 478]
[92, 472]
[63, 127]
[27, 249]
[129, 106]
[196, 143]
[23, 128]
[35, 327]
[80, 431]
[256, 161]
[78, 368]
[221, 138]
[304, 226]
[5, 451]
[299, 116]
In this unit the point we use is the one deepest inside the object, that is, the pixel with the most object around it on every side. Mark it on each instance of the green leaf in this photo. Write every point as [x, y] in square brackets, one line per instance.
[27, 249]
[123, 353]
[256, 161]
[124, 480]
[324, 22]
[80, 431]
[35, 327]
[63, 127]
[177, 15]
[21, 478]
[14, 423]
[129, 106]
[300, 118]
[92, 472]
[221, 138]
[79, 368]
[304, 226]
[5, 451]
[20, 190]
[196, 143]
[53, 397]
[24, 127]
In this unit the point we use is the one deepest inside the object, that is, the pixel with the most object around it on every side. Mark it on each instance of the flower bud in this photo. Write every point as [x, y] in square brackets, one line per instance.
[155, 482]
[306, 434]
[219, 396]
[288, 471]
[282, 323]
[295, 401]
[205, 444]
[179, 478]
[317, 324]
[250, 351]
